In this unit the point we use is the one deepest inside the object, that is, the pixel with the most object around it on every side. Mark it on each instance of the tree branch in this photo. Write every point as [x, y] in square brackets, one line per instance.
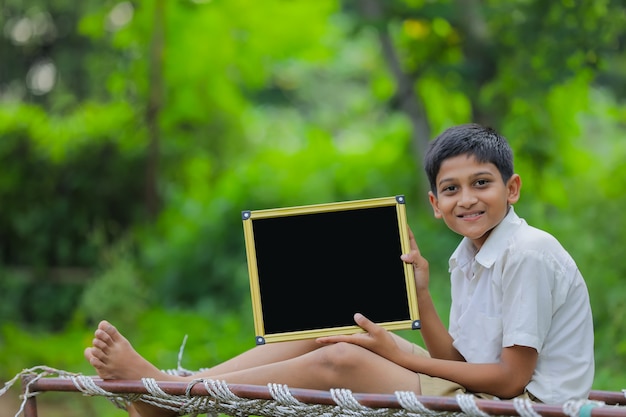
[410, 103]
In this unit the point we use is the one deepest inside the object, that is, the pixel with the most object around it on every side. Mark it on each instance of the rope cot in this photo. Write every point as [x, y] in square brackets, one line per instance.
[211, 397]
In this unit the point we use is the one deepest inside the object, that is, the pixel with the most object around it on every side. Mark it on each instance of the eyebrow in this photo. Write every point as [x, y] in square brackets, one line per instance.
[474, 175]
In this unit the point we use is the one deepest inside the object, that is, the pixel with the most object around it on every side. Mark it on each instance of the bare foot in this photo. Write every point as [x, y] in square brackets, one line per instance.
[113, 357]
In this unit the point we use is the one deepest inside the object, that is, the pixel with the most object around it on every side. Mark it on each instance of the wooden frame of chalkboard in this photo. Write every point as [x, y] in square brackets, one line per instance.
[312, 267]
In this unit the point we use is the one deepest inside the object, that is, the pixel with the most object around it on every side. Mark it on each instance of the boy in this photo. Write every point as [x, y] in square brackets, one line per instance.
[520, 319]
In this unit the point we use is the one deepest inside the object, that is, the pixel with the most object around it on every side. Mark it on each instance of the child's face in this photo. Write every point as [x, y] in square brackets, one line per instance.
[471, 197]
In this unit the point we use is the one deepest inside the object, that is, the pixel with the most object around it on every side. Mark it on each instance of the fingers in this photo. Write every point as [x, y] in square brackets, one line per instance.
[333, 339]
[414, 256]
[412, 242]
[362, 321]
[414, 253]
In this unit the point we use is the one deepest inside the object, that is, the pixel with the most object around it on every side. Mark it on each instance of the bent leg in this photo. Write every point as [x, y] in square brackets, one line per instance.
[113, 357]
[298, 364]
[341, 365]
[262, 355]
[276, 352]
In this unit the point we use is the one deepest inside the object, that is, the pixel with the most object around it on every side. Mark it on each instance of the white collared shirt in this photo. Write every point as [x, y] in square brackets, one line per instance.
[522, 288]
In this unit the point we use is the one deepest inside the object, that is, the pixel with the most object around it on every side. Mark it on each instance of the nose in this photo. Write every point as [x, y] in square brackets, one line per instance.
[467, 198]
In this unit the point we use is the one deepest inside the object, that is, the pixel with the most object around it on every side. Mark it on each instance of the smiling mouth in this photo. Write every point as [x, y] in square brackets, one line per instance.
[471, 215]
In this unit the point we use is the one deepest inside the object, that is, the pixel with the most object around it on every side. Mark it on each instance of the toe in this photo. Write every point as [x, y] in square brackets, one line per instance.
[96, 363]
[100, 344]
[104, 325]
[103, 336]
[110, 330]
[98, 354]
[88, 353]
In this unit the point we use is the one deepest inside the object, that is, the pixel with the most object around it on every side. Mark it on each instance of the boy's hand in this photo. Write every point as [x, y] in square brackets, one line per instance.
[377, 339]
[420, 264]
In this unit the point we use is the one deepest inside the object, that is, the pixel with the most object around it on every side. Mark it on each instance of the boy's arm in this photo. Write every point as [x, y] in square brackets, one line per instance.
[504, 379]
[436, 337]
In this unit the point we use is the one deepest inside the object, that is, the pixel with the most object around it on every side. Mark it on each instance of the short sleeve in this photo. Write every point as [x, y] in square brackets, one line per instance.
[527, 298]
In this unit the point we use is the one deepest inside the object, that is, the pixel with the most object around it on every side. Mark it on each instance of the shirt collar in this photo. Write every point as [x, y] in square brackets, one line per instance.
[493, 246]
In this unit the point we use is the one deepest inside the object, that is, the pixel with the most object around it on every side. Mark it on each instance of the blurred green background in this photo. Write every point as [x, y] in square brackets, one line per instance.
[133, 133]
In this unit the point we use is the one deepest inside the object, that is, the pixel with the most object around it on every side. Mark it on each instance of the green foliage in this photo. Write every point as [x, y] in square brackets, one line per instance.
[68, 189]
[198, 245]
[118, 293]
[252, 106]
[35, 298]
[53, 174]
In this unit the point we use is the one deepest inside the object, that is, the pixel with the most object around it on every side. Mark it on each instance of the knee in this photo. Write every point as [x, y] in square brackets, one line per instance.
[339, 356]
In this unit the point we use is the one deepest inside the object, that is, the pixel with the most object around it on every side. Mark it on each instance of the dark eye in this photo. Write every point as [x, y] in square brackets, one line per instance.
[449, 189]
[482, 183]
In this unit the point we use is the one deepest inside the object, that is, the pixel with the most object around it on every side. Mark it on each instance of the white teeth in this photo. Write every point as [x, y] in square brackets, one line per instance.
[467, 216]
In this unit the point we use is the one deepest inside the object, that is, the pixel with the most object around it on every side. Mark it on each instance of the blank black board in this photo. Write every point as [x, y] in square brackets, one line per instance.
[312, 267]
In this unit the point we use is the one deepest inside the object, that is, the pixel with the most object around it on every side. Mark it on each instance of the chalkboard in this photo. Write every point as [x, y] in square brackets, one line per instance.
[312, 267]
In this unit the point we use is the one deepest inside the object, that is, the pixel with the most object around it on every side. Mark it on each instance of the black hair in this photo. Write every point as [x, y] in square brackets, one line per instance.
[483, 143]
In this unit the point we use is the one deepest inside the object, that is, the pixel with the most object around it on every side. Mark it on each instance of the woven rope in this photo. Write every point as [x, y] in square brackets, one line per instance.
[40, 372]
[524, 407]
[580, 408]
[282, 394]
[467, 402]
[87, 386]
[221, 400]
[408, 400]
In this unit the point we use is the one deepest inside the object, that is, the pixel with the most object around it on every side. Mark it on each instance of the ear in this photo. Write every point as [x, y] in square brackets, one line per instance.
[434, 202]
[514, 185]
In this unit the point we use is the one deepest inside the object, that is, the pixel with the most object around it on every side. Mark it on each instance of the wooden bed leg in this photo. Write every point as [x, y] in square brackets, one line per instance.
[30, 406]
